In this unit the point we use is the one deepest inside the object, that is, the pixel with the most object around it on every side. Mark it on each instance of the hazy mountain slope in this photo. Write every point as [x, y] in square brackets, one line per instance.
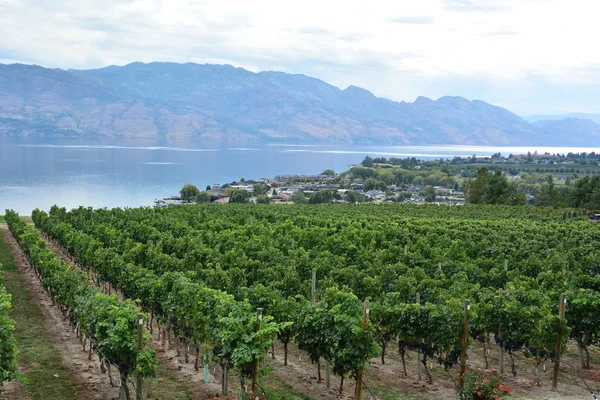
[554, 130]
[536, 118]
[217, 102]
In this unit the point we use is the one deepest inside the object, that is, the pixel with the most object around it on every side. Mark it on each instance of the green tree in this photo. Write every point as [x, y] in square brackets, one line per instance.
[202, 197]
[487, 188]
[328, 172]
[374, 184]
[260, 189]
[496, 189]
[320, 197]
[299, 197]
[517, 199]
[430, 193]
[352, 196]
[208, 188]
[239, 196]
[362, 173]
[585, 193]
[548, 196]
[189, 192]
[475, 189]
[263, 200]
[367, 162]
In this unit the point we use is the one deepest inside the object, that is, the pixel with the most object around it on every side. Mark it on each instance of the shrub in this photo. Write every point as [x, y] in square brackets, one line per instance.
[480, 385]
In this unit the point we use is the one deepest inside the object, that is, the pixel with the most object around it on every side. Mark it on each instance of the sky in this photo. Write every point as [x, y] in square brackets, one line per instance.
[530, 56]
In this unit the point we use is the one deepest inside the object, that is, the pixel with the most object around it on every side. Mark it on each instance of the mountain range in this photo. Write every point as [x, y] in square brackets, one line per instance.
[223, 103]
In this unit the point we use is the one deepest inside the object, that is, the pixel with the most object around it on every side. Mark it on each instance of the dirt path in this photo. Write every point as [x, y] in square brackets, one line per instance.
[388, 381]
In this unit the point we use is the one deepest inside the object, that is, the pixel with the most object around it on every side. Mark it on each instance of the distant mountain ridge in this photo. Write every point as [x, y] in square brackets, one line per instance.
[536, 118]
[223, 103]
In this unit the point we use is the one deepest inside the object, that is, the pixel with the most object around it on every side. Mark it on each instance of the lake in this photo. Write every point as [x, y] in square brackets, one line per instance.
[41, 172]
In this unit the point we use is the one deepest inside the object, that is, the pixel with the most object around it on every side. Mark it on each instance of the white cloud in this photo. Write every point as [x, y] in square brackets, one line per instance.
[396, 49]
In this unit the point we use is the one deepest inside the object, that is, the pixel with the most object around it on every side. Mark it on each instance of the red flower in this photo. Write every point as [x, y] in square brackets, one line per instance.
[507, 390]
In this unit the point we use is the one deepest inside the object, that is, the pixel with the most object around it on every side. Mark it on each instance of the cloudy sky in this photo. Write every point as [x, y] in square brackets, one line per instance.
[531, 56]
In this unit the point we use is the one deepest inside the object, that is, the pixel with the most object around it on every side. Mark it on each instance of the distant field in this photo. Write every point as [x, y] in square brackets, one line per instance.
[24, 218]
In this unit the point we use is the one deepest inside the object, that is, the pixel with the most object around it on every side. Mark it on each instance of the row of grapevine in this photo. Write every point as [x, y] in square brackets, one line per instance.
[8, 345]
[111, 325]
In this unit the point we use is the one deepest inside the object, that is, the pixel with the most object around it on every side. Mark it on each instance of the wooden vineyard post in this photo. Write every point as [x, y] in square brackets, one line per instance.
[365, 324]
[463, 346]
[327, 374]
[419, 349]
[259, 313]
[502, 343]
[140, 338]
[561, 313]
[405, 249]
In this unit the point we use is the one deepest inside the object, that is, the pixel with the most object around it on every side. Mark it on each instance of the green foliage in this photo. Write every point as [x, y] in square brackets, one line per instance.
[321, 197]
[352, 196]
[207, 316]
[585, 193]
[8, 345]
[548, 193]
[199, 268]
[430, 193]
[584, 319]
[333, 330]
[374, 184]
[202, 197]
[487, 188]
[299, 197]
[239, 196]
[111, 324]
[263, 200]
[328, 172]
[362, 173]
[367, 162]
[260, 189]
[189, 192]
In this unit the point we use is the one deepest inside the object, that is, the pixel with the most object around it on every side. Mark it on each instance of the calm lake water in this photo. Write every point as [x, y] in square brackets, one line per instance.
[41, 172]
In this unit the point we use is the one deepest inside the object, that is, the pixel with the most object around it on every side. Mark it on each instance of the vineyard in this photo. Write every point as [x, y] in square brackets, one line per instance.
[342, 283]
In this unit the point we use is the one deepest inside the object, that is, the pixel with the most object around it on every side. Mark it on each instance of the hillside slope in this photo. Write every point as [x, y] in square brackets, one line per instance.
[220, 102]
